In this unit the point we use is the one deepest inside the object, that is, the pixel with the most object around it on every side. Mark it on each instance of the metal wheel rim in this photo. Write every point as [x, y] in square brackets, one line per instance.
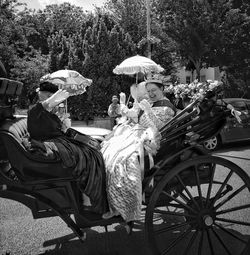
[211, 144]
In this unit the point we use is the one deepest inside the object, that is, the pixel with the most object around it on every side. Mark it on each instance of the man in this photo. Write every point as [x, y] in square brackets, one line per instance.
[114, 110]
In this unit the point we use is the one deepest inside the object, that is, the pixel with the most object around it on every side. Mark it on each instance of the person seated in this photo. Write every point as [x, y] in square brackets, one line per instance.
[48, 137]
[123, 151]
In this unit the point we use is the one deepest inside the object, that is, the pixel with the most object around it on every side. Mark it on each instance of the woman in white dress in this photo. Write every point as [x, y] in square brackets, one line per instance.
[124, 150]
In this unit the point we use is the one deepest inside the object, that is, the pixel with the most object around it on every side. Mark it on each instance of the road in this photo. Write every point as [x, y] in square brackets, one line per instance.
[21, 234]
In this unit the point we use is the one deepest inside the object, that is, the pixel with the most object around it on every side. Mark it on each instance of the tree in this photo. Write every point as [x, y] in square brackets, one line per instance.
[12, 39]
[104, 50]
[132, 17]
[95, 54]
[197, 28]
[58, 51]
[64, 17]
[29, 70]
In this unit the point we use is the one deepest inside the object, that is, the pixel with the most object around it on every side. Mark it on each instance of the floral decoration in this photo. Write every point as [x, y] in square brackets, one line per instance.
[193, 90]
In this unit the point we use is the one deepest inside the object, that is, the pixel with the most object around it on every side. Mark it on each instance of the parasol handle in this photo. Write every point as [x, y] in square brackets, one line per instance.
[128, 99]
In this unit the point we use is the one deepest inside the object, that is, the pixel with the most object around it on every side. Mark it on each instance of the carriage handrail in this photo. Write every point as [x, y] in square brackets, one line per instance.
[176, 117]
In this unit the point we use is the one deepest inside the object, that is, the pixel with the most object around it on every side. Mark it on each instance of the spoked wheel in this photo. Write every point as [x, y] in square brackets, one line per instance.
[209, 215]
[212, 143]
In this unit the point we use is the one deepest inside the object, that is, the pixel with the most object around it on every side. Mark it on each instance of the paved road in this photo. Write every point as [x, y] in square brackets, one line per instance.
[20, 234]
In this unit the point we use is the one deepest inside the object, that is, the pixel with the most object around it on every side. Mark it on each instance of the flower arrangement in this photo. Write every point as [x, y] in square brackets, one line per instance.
[193, 90]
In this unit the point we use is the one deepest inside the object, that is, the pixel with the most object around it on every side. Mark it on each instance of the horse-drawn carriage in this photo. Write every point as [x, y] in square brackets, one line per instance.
[194, 202]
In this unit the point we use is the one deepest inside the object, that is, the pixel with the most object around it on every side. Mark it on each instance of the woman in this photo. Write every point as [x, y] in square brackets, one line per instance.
[123, 152]
[48, 138]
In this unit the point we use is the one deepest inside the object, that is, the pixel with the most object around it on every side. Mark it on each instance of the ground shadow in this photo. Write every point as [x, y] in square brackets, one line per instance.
[115, 242]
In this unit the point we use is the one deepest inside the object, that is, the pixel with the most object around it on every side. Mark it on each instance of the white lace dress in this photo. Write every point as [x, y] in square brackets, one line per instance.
[123, 154]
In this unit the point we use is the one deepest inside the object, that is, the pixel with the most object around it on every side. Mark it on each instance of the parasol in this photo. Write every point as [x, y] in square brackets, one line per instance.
[136, 64]
[70, 80]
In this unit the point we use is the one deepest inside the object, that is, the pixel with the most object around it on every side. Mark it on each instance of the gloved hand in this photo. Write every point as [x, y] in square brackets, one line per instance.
[122, 98]
[56, 98]
[145, 106]
[66, 123]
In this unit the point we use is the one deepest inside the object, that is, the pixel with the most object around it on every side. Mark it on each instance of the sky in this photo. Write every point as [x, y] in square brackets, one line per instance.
[85, 4]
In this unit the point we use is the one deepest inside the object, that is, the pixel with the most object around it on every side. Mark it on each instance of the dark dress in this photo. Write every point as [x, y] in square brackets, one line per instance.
[47, 138]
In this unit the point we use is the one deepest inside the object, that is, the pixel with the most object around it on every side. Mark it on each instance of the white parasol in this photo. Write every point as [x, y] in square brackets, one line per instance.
[136, 64]
[70, 80]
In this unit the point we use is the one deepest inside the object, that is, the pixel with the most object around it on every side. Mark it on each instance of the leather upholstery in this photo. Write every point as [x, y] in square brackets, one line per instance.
[26, 165]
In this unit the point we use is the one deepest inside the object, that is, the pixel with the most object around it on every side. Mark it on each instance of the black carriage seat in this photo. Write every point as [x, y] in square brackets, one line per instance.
[27, 166]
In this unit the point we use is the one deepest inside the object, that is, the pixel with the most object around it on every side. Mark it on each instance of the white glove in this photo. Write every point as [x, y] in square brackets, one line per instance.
[145, 106]
[66, 123]
[56, 98]
[122, 98]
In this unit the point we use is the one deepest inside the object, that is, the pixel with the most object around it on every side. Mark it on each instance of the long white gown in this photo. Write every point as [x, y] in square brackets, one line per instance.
[123, 154]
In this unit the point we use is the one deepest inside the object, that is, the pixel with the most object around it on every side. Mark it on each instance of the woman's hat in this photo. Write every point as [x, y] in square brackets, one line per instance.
[48, 86]
[154, 81]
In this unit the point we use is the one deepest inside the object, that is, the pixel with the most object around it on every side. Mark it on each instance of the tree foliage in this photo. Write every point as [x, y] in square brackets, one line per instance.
[202, 29]
[12, 39]
[195, 33]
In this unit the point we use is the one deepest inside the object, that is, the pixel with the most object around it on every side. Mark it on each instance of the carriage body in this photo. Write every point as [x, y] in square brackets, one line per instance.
[181, 164]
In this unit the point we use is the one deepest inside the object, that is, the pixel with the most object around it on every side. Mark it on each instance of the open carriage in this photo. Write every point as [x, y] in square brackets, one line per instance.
[194, 202]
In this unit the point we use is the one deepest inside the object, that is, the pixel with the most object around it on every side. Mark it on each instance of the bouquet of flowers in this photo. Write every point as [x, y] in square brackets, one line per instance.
[193, 90]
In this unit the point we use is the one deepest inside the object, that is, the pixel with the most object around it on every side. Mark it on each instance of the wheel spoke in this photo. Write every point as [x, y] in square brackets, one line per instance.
[178, 239]
[221, 188]
[201, 243]
[175, 205]
[233, 221]
[190, 243]
[174, 213]
[179, 202]
[210, 242]
[198, 184]
[188, 192]
[229, 197]
[233, 209]
[184, 197]
[173, 227]
[230, 233]
[222, 242]
[210, 186]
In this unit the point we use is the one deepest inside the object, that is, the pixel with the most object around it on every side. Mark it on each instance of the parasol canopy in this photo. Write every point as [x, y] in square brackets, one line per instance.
[136, 64]
[70, 80]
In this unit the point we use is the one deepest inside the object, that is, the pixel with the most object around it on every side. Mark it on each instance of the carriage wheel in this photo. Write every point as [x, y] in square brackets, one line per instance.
[209, 215]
